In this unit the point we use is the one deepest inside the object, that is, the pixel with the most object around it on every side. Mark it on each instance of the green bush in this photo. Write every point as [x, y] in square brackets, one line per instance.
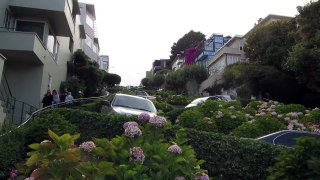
[312, 117]
[177, 100]
[94, 106]
[233, 158]
[190, 118]
[228, 119]
[247, 130]
[209, 107]
[269, 124]
[300, 162]
[206, 124]
[37, 129]
[173, 114]
[12, 151]
[254, 105]
[163, 106]
[286, 108]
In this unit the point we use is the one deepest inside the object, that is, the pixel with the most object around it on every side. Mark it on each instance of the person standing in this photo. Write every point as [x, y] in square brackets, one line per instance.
[56, 98]
[69, 100]
[64, 94]
[47, 99]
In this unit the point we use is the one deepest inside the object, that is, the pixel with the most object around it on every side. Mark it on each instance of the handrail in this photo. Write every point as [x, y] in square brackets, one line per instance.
[35, 113]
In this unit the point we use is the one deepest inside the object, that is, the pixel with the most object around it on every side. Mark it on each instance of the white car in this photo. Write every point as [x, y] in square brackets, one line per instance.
[203, 99]
[129, 105]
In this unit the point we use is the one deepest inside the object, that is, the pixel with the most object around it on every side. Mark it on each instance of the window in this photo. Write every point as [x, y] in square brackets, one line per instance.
[90, 21]
[89, 41]
[29, 26]
[8, 18]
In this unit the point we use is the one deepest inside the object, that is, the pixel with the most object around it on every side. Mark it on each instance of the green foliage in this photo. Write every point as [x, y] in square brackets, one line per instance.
[248, 130]
[37, 129]
[111, 79]
[232, 158]
[173, 114]
[12, 151]
[209, 107]
[300, 162]
[176, 80]
[312, 117]
[189, 118]
[206, 124]
[286, 108]
[227, 120]
[189, 40]
[178, 100]
[105, 159]
[269, 124]
[73, 84]
[163, 106]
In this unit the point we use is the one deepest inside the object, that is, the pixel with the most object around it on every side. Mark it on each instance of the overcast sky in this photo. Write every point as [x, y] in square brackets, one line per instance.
[134, 33]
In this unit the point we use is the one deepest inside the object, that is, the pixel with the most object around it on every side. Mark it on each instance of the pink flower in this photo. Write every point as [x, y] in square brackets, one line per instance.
[87, 146]
[137, 155]
[132, 131]
[13, 173]
[144, 117]
[175, 149]
[130, 123]
[158, 121]
[202, 176]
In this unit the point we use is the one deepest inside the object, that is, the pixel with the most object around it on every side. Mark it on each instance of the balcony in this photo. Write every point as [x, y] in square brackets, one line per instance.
[58, 12]
[29, 52]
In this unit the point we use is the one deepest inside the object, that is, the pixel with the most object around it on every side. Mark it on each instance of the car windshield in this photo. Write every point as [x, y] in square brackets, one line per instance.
[133, 102]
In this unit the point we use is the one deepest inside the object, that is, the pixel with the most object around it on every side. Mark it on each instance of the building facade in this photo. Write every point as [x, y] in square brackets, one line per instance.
[160, 64]
[104, 62]
[88, 40]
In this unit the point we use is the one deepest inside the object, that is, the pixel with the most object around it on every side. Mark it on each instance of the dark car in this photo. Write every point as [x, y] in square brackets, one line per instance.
[129, 105]
[287, 137]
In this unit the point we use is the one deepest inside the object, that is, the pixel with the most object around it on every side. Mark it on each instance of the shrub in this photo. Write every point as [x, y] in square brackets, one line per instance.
[163, 106]
[247, 130]
[206, 124]
[177, 100]
[233, 158]
[209, 107]
[269, 124]
[12, 151]
[190, 118]
[312, 117]
[228, 119]
[140, 156]
[173, 114]
[286, 108]
[300, 162]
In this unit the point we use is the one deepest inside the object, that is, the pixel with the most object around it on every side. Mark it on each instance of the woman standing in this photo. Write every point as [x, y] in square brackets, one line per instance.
[47, 99]
[56, 97]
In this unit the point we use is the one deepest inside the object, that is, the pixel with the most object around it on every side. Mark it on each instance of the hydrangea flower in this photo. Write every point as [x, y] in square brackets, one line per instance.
[233, 117]
[273, 113]
[158, 121]
[13, 173]
[219, 114]
[87, 146]
[130, 123]
[231, 107]
[175, 149]
[144, 117]
[137, 155]
[202, 176]
[132, 131]
[179, 178]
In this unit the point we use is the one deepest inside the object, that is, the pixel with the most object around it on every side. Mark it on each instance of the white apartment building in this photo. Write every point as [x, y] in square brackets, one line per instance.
[104, 62]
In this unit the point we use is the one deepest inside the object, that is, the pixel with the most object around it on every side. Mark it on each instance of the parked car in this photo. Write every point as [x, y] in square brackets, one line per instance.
[201, 100]
[129, 105]
[287, 137]
[144, 94]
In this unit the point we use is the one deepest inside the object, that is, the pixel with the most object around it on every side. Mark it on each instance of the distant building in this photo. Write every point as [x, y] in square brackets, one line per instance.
[207, 48]
[103, 62]
[160, 64]
[178, 62]
[89, 42]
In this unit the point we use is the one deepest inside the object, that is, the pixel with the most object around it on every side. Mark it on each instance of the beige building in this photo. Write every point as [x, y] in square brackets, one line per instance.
[232, 52]
[36, 41]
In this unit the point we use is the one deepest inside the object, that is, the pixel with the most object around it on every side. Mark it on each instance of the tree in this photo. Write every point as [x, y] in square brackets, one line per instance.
[304, 59]
[189, 40]
[111, 79]
[270, 44]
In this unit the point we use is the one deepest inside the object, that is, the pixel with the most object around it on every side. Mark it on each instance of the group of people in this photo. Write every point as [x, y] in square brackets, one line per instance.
[55, 98]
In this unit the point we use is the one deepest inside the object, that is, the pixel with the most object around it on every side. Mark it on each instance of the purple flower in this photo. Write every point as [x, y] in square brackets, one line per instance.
[137, 155]
[132, 131]
[273, 113]
[144, 117]
[158, 121]
[130, 123]
[87, 146]
[13, 173]
[175, 149]
[202, 176]
[179, 178]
